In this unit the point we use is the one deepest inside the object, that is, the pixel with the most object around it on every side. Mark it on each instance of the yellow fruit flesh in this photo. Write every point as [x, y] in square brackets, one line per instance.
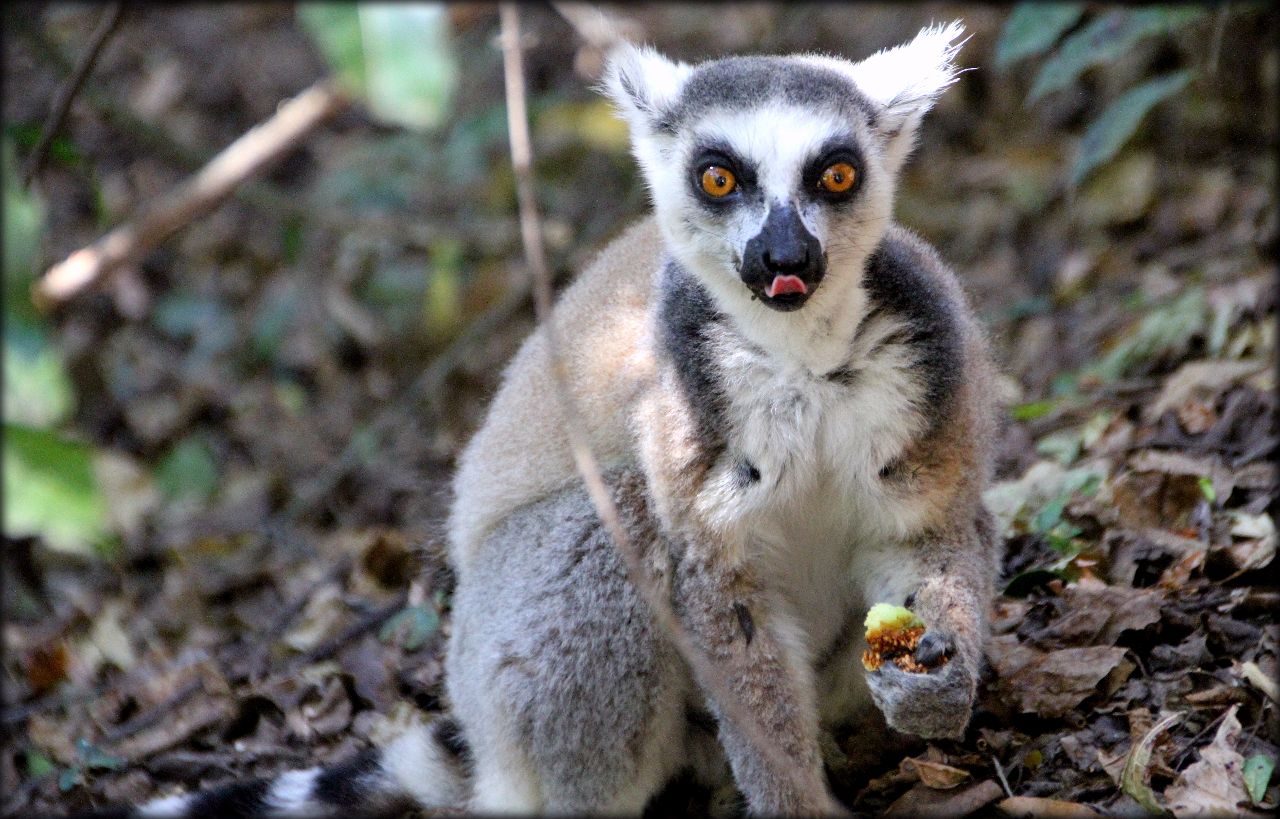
[893, 632]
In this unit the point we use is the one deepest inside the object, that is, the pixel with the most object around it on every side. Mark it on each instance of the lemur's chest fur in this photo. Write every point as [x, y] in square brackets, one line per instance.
[809, 467]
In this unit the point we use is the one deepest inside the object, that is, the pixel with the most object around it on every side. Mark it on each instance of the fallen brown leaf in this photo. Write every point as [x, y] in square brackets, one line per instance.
[46, 666]
[1036, 807]
[1214, 785]
[924, 801]
[1097, 615]
[936, 775]
[1050, 683]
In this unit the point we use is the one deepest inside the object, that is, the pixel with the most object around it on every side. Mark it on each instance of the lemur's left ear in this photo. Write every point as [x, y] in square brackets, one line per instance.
[906, 81]
[643, 84]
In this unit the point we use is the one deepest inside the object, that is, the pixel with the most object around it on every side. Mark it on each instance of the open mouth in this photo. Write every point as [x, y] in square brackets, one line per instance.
[785, 292]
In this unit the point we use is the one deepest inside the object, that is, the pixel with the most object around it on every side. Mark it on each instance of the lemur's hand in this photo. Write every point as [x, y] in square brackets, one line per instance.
[935, 704]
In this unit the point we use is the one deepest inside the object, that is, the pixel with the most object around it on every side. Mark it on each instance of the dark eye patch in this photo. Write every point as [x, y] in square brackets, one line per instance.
[836, 149]
[716, 153]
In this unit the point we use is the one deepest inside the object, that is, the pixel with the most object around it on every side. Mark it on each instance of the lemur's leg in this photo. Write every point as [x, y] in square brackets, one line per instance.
[946, 578]
[756, 649]
[571, 699]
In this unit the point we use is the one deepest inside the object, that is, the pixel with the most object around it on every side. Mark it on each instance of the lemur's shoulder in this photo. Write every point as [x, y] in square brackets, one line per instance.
[601, 322]
[906, 275]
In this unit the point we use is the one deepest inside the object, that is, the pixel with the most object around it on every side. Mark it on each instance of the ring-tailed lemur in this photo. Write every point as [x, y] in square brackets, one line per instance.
[795, 406]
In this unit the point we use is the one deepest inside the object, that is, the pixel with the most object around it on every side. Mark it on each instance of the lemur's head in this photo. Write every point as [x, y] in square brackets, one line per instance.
[771, 174]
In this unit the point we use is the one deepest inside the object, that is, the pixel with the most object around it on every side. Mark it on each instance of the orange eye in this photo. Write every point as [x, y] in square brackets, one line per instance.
[718, 181]
[838, 178]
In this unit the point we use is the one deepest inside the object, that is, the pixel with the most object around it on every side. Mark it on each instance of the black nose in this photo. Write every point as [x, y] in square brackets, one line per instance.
[783, 247]
[786, 257]
[784, 241]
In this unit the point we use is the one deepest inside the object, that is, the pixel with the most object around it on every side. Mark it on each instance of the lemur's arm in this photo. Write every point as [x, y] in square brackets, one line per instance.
[755, 649]
[741, 628]
[949, 592]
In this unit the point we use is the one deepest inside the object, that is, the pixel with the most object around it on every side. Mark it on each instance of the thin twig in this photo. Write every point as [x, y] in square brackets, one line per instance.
[535, 258]
[67, 93]
[248, 155]
[154, 714]
[365, 624]
[260, 657]
[707, 671]
[1215, 44]
[1004, 783]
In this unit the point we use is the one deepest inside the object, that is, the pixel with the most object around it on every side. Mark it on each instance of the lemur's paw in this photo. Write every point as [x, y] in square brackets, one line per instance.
[934, 649]
[932, 704]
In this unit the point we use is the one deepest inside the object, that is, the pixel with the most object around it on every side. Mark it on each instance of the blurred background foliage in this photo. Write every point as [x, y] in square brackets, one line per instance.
[1070, 40]
[194, 445]
[415, 206]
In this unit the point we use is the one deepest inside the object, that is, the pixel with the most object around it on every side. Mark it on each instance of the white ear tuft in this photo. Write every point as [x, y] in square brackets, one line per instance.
[908, 80]
[905, 82]
[642, 83]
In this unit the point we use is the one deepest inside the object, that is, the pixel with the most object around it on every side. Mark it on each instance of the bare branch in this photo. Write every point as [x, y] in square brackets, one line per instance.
[67, 93]
[1215, 44]
[255, 150]
[588, 468]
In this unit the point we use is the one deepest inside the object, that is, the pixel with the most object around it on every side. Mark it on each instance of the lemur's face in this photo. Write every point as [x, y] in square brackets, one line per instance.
[773, 196]
[774, 175]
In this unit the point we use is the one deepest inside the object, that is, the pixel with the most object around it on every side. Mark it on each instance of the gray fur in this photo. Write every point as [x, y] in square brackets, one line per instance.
[902, 279]
[553, 640]
[686, 314]
[737, 83]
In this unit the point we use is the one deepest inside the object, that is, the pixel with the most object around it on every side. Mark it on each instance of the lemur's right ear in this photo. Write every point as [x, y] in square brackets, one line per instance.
[643, 84]
[904, 82]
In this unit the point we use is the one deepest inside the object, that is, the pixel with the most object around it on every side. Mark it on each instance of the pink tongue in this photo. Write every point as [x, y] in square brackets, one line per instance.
[785, 284]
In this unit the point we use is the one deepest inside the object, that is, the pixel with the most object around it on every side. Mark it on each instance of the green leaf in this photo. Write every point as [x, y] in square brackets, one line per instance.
[1075, 481]
[1206, 488]
[39, 764]
[1050, 514]
[1166, 330]
[50, 490]
[1033, 27]
[411, 627]
[24, 213]
[1114, 126]
[188, 471]
[442, 309]
[1033, 409]
[336, 29]
[1104, 40]
[398, 57]
[1257, 774]
[37, 389]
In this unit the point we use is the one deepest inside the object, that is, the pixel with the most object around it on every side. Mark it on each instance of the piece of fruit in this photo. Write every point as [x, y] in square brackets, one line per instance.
[893, 633]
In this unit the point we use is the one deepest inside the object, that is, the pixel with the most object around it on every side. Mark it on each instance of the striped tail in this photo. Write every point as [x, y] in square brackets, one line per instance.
[424, 768]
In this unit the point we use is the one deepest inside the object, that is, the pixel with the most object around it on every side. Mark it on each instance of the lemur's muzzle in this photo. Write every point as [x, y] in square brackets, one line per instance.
[784, 262]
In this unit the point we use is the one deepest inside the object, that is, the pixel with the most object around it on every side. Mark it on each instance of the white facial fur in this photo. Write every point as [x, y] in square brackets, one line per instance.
[779, 137]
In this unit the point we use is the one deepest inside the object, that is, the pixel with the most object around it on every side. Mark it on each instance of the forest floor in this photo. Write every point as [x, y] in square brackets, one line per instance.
[275, 398]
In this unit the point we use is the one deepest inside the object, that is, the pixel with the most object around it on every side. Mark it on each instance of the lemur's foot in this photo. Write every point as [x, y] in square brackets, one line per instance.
[933, 704]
